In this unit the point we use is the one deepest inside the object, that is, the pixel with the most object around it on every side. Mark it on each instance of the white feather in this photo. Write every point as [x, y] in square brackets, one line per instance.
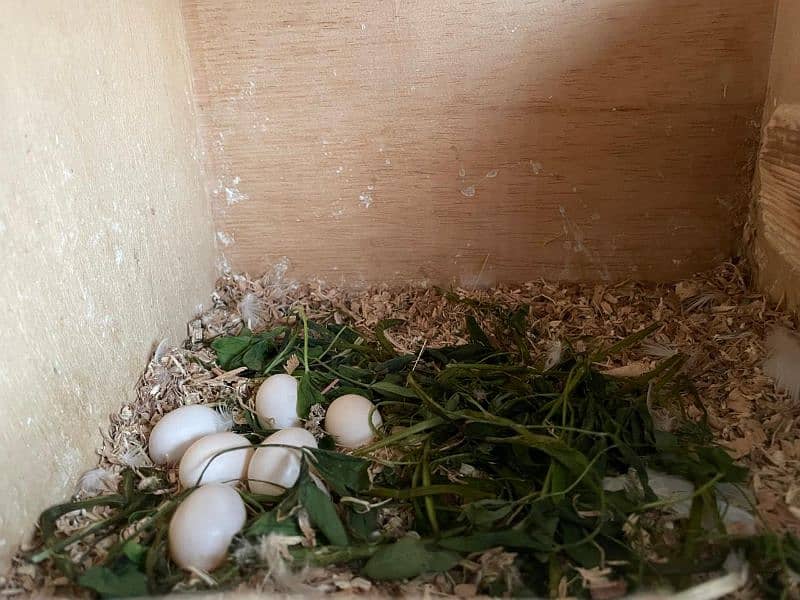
[658, 350]
[97, 481]
[224, 419]
[738, 574]
[161, 351]
[554, 354]
[783, 361]
[273, 551]
[135, 457]
[251, 308]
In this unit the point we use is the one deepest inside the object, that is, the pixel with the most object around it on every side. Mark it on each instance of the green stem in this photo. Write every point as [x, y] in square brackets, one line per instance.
[330, 555]
[76, 537]
[401, 435]
[575, 376]
[431, 490]
[281, 357]
[328, 349]
[430, 506]
[302, 314]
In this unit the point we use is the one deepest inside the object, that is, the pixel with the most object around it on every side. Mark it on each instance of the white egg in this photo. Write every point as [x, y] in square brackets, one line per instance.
[204, 524]
[223, 467]
[276, 402]
[347, 420]
[273, 470]
[179, 429]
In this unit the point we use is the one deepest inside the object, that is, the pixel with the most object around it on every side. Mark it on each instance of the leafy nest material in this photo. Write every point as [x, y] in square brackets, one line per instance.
[523, 428]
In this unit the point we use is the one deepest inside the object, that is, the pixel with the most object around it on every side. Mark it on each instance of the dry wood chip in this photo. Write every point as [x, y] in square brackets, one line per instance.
[713, 319]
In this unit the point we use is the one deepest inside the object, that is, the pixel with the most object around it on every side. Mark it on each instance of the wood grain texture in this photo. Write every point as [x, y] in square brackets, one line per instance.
[777, 207]
[780, 181]
[784, 77]
[482, 140]
[779, 204]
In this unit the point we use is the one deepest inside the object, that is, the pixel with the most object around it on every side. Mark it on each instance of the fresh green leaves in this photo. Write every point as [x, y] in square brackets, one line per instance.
[123, 581]
[269, 522]
[246, 349]
[476, 333]
[307, 396]
[407, 558]
[344, 473]
[484, 513]
[380, 334]
[392, 389]
[698, 464]
[322, 512]
[484, 450]
[479, 542]
[134, 551]
[231, 350]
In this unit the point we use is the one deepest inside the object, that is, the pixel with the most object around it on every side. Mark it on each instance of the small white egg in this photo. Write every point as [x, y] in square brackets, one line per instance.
[273, 470]
[179, 429]
[203, 525]
[347, 420]
[276, 402]
[227, 467]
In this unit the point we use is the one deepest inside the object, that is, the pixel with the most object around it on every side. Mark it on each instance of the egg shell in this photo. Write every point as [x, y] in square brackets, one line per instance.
[179, 429]
[347, 420]
[273, 470]
[203, 525]
[229, 467]
[276, 402]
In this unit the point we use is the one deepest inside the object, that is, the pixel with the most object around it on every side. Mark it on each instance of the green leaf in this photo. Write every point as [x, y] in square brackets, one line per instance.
[407, 558]
[345, 474]
[396, 364]
[307, 396]
[560, 480]
[485, 512]
[121, 582]
[357, 373]
[381, 336]
[362, 524]
[135, 552]
[569, 457]
[392, 389]
[269, 523]
[230, 350]
[518, 320]
[476, 334]
[587, 555]
[625, 343]
[322, 512]
[246, 349]
[255, 358]
[479, 542]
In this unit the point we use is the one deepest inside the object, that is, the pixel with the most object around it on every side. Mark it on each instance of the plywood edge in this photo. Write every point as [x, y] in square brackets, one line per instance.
[776, 218]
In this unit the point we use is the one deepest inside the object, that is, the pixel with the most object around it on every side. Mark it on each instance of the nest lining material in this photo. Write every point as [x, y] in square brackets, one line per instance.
[713, 318]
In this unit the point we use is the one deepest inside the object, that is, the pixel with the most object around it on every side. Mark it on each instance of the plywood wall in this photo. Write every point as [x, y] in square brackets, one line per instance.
[480, 140]
[105, 233]
[777, 208]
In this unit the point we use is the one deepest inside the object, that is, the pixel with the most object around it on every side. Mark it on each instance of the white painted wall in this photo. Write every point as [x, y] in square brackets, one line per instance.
[105, 232]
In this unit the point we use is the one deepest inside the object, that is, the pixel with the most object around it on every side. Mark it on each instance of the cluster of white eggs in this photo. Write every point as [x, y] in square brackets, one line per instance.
[209, 456]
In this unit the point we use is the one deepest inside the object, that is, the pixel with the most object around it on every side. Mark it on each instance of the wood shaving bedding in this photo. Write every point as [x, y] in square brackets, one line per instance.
[713, 318]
